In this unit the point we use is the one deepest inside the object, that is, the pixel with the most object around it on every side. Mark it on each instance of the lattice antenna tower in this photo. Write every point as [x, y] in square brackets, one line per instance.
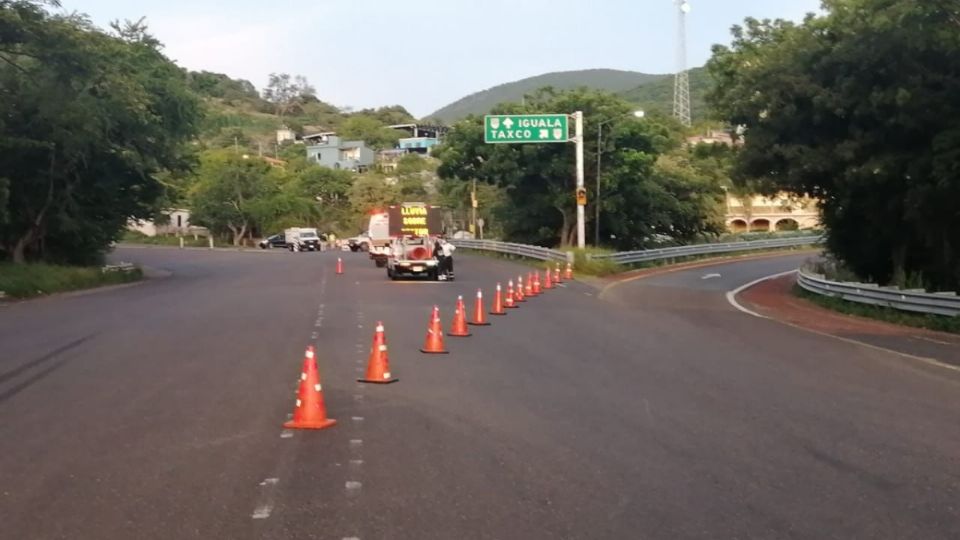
[681, 82]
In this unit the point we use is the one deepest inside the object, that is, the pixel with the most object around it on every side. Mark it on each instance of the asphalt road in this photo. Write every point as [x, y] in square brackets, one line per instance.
[658, 411]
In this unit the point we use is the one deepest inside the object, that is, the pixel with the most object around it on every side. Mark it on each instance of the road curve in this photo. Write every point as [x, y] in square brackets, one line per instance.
[155, 411]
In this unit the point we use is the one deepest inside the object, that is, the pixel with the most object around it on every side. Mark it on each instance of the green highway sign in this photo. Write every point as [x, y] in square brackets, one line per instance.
[526, 128]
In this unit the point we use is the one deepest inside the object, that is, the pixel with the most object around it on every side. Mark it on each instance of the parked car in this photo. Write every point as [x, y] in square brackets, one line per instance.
[273, 241]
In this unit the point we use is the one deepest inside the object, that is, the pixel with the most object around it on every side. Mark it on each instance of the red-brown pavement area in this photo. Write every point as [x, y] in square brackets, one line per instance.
[774, 298]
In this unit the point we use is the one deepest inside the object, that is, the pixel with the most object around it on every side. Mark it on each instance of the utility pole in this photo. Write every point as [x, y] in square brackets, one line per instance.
[596, 202]
[473, 208]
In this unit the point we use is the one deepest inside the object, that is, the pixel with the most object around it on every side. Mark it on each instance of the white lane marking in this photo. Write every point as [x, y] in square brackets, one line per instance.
[353, 488]
[588, 294]
[286, 434]
[265, 504]
[314, 335]
[357, 418]
[356, 462]
[262, 512]
[732, 295]
[931, 340]
[351, 538]
[710, 276]
[358, 397]
[356, 443]
[732, 299]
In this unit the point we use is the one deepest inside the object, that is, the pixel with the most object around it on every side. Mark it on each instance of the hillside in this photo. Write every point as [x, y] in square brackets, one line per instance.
[657, 95]
[236, 114]
[610, 80]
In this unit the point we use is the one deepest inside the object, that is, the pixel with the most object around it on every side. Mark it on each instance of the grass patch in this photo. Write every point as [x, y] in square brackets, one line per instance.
[27, 280]
[939, 323]
[136, 237]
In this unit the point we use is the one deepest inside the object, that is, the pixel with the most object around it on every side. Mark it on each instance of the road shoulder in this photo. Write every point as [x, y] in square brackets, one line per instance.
[773, 298]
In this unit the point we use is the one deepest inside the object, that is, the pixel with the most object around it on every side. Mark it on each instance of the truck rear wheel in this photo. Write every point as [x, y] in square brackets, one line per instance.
[380, 263]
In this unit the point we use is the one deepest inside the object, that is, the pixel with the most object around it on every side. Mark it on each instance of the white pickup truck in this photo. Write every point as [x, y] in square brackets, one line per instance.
[413, 257]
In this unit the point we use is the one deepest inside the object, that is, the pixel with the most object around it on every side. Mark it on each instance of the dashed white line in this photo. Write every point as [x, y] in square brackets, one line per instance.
[356, 443]
[357, 418]
[265, 506]
[286, 434]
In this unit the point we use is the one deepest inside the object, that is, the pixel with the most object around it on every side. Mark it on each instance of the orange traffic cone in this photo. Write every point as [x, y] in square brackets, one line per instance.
[339, 266]
[509, 302]
[536, 283]
[568, 275]
[547, 282]
[378, 367]
[498, 303]
[556, 274]
[459, 326]
[479, 315]
[434, 342]
[528, 286]
[518, 295]
[310, 412]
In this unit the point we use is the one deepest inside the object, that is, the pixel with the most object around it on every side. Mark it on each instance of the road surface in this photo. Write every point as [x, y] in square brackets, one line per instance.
[656, 411]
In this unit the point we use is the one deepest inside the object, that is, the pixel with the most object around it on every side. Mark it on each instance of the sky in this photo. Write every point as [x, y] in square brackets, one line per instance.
[425, 54]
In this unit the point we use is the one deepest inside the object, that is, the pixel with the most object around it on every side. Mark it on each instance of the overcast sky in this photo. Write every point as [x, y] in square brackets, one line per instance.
[424, 54]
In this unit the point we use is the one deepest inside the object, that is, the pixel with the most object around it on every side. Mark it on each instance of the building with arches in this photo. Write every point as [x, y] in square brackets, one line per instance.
[782, 212]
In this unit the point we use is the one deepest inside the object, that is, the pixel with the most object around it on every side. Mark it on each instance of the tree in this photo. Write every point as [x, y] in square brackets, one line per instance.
[87, 122]
[538, 180]
[857, 108]
[370, 130]
[235, 193]
[286, 92]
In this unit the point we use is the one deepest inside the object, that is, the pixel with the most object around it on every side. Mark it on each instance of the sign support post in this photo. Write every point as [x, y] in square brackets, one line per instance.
[541, 128]
[578, 139]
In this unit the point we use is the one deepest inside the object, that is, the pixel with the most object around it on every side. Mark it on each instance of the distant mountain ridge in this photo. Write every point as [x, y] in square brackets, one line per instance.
[651, 91]
[611, 80]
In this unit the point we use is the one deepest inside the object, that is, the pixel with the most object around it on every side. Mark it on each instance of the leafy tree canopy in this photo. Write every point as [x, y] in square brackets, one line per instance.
[858, 108]
[88, 120]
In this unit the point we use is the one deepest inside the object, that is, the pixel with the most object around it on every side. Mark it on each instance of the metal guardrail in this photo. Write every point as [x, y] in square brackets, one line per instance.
[644, 255]
[917, 301]
[523, 250]
[122, 267]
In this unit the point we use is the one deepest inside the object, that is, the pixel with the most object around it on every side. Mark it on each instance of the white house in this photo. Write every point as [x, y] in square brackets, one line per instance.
[179, 225]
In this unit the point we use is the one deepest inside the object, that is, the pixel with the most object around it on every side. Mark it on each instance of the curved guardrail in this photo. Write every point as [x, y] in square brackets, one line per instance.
[522, 250]
[628, 257]
[915, 300]
[644, 255]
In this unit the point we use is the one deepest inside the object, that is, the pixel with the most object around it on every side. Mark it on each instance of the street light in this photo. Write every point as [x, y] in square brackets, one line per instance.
[596, 222]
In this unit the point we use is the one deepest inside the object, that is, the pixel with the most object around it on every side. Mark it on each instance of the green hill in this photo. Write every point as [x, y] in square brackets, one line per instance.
[657, 95]
[482, 102]
[653, 93]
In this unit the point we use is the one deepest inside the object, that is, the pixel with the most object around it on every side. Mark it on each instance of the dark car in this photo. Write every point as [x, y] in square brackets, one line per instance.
[275, 241]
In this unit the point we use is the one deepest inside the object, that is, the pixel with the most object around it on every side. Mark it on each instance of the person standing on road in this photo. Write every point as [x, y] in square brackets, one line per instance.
[447, 248]
[438, 255]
